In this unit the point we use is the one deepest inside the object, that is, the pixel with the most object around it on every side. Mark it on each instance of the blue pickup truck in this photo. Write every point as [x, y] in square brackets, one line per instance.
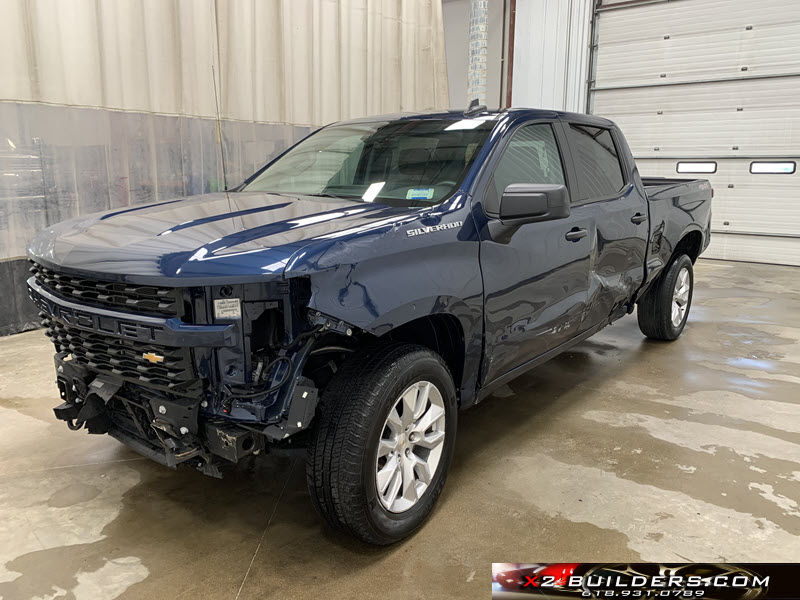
[351, 296]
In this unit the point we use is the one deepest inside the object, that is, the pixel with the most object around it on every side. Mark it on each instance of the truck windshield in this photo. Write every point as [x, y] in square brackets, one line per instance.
[401, 163]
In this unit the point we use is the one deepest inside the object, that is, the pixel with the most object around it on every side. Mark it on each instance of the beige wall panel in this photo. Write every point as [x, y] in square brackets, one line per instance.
[196, 26]
[66, 41]
[16, 52]
[304, 62]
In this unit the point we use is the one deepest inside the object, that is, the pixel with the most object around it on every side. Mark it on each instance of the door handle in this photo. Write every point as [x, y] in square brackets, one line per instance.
[638, 218]
[575, 234]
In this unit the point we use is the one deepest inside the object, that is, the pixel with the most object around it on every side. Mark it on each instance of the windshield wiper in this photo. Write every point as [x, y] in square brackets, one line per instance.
[337, 196]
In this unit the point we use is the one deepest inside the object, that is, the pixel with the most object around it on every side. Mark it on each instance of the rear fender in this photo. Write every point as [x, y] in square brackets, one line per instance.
[671, 219]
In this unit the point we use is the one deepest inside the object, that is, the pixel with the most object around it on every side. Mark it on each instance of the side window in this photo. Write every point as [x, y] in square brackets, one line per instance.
[530, 157]
[598, 164]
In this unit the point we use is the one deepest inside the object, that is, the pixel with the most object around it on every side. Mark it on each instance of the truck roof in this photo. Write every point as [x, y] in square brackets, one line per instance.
[514, 113]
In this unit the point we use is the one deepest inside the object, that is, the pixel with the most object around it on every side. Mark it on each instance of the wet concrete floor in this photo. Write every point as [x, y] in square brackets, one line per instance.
[619, 450]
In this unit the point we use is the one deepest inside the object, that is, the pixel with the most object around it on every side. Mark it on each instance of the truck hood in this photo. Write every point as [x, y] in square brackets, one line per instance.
[238, 236]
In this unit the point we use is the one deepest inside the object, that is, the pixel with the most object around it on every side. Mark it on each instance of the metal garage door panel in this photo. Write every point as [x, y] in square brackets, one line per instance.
[715, 80]
[699, 134]
[649, 20]
[779, 93]
[769, 51]
[775, 250]
[708, 40]
[759, 116]
[755, 205]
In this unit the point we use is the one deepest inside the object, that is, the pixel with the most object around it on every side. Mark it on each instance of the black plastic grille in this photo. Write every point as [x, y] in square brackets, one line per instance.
[140, 298]
[124, 358]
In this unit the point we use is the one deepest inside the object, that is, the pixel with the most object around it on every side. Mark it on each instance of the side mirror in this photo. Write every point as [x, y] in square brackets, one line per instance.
[533, 202]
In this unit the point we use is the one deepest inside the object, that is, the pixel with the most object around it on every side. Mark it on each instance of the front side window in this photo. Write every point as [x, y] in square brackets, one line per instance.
[407, 162]
[598, 164]
[531, 157]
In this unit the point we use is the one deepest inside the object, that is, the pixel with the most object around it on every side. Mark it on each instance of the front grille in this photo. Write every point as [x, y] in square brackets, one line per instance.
[140, 298]
[124, 358]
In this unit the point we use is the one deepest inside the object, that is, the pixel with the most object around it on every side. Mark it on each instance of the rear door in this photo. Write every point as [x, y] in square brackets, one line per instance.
[536, 282]
[607, 196]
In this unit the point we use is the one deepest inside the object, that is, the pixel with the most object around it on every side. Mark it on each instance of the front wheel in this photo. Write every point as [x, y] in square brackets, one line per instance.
[383, 442]
[663, 310]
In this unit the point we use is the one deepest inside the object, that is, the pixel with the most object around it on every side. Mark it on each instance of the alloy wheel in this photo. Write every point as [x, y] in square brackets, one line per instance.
[680, 297]
[410, 446]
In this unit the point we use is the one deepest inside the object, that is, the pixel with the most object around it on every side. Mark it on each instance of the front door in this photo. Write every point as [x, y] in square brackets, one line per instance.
[535, 283]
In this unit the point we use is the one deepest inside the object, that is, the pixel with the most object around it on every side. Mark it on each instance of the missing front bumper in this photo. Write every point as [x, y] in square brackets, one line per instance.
[166, 429]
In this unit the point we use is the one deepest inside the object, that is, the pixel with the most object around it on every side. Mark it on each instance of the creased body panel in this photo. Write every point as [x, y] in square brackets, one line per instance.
[382, 277]
[677, 207]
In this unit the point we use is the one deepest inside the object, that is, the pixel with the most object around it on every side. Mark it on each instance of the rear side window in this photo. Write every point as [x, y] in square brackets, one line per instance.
[598, 164]
[530, 157]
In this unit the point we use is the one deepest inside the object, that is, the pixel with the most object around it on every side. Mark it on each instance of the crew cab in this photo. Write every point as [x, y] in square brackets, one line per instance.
[349, 298]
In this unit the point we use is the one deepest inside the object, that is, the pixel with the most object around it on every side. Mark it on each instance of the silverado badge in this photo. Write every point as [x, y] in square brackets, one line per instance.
[153, 357]
[442, 227]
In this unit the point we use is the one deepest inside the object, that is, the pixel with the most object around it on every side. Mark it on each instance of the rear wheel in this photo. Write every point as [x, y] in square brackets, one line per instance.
[383, 442]
[663, 310]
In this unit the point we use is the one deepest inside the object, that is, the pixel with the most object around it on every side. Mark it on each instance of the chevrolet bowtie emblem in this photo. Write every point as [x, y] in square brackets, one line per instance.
[153, 357]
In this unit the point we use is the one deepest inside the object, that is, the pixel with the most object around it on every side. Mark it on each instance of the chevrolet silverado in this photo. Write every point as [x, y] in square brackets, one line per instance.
[349, 298]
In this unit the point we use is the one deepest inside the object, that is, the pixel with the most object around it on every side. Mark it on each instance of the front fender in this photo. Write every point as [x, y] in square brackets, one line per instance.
[380, 280]
[463, 310]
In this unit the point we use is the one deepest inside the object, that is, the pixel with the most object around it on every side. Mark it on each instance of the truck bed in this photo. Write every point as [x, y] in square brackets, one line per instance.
[660, 187]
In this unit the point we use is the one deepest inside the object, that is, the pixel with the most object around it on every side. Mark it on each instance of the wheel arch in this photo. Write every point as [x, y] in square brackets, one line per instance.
[690, 243]
[446, 325]
[442, 333]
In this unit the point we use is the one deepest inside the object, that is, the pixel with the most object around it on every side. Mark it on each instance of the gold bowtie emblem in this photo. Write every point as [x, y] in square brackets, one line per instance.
[153, 357]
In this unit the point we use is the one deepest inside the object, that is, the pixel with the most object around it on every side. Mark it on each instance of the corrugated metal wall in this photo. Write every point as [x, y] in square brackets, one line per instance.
[715, 80]
[107, 104]
[551, 54]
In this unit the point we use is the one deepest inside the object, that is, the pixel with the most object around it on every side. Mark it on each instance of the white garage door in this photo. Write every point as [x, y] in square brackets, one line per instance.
[712, 87]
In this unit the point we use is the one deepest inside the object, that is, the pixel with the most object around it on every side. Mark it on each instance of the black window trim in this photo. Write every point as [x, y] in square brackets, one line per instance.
[625, 168]
[688, 162]
[487, 171]
[792, 172]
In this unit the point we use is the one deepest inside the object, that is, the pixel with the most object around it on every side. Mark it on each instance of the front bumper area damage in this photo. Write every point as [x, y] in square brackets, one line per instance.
[165, 429]
[203, 393]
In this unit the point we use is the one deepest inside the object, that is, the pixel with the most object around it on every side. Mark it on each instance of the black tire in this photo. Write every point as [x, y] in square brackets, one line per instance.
[341, 461]
[655, 307]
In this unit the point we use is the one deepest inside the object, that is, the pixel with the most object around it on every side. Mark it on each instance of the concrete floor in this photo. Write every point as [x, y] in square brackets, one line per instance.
[620, 450]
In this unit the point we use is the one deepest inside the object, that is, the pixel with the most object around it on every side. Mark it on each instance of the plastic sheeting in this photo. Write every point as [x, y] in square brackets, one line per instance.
[59, 162]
